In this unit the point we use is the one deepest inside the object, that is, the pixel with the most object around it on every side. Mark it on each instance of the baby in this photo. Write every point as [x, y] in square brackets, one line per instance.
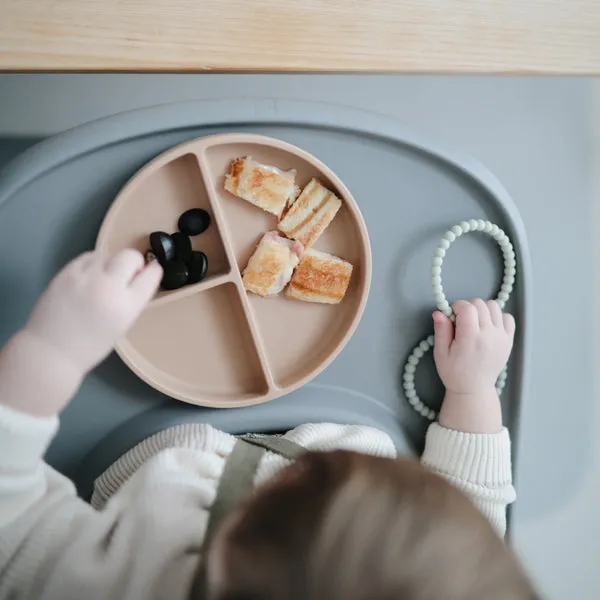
[171, 519]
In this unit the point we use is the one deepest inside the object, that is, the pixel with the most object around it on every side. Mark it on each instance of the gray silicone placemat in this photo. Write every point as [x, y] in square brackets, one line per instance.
[410, 190]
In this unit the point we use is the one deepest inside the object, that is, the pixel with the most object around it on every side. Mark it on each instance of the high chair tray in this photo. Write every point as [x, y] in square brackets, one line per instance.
[410, 190]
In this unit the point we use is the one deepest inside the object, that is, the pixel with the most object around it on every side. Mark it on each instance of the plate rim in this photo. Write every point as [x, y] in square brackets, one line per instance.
[124, 348]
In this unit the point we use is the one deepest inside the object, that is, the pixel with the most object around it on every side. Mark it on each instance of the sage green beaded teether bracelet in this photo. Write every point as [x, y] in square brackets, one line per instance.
[508, 280]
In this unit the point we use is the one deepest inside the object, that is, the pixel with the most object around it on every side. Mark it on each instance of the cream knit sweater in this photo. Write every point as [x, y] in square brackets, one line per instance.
[150, 509]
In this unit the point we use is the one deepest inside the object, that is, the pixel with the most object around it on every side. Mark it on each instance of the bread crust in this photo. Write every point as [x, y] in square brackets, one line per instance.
[310, 214]
[320, 277]
[264, 186]
[271, 265]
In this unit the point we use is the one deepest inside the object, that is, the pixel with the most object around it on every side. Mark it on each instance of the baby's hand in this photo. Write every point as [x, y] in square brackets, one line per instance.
[91, 303]
[470, 356]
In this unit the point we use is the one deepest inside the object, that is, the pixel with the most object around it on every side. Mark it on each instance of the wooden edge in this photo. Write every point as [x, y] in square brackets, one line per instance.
[463, 36]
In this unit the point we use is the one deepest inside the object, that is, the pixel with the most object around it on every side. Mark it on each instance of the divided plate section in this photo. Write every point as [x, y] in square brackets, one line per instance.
[154, 201]
[199, 349]
[211, 343]
[297, 338]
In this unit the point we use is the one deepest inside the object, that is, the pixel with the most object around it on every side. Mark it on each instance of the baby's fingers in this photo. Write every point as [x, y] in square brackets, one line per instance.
[509, 324]
[483, 312]
[146, 283]
[83, 261]
[495, 312]
[444, 333]
[124, 266]
[467, 319]
[78, 266]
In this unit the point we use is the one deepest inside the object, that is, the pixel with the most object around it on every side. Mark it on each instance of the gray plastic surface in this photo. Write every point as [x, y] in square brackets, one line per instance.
[410, 190]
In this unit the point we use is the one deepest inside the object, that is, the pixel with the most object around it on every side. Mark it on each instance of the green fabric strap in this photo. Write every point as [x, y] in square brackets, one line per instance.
[276, 444]
[236, 484]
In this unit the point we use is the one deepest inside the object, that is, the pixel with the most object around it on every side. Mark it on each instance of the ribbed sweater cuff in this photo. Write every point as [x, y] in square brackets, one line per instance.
[482, 459]
[23, 438]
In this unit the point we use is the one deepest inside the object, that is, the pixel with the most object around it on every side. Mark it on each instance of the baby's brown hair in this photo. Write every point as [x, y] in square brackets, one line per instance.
[344, 526]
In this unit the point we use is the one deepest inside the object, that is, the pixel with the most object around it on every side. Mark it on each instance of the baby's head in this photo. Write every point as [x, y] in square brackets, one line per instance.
[343, 526]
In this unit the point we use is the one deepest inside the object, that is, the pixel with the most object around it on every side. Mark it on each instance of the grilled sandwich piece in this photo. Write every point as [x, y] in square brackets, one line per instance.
[264, 186]
[320, 277]
[271, 266]
[310, 214]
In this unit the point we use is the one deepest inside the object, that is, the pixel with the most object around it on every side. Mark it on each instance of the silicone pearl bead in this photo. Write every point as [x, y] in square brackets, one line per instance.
[508, 280]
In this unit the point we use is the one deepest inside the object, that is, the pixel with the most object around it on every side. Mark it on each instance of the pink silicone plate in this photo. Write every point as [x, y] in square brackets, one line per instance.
[212, 343]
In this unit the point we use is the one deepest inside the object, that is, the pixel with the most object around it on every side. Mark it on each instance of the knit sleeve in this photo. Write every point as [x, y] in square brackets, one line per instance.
[55, 545]
[28, 490]
[477, 464]
[23, 441]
